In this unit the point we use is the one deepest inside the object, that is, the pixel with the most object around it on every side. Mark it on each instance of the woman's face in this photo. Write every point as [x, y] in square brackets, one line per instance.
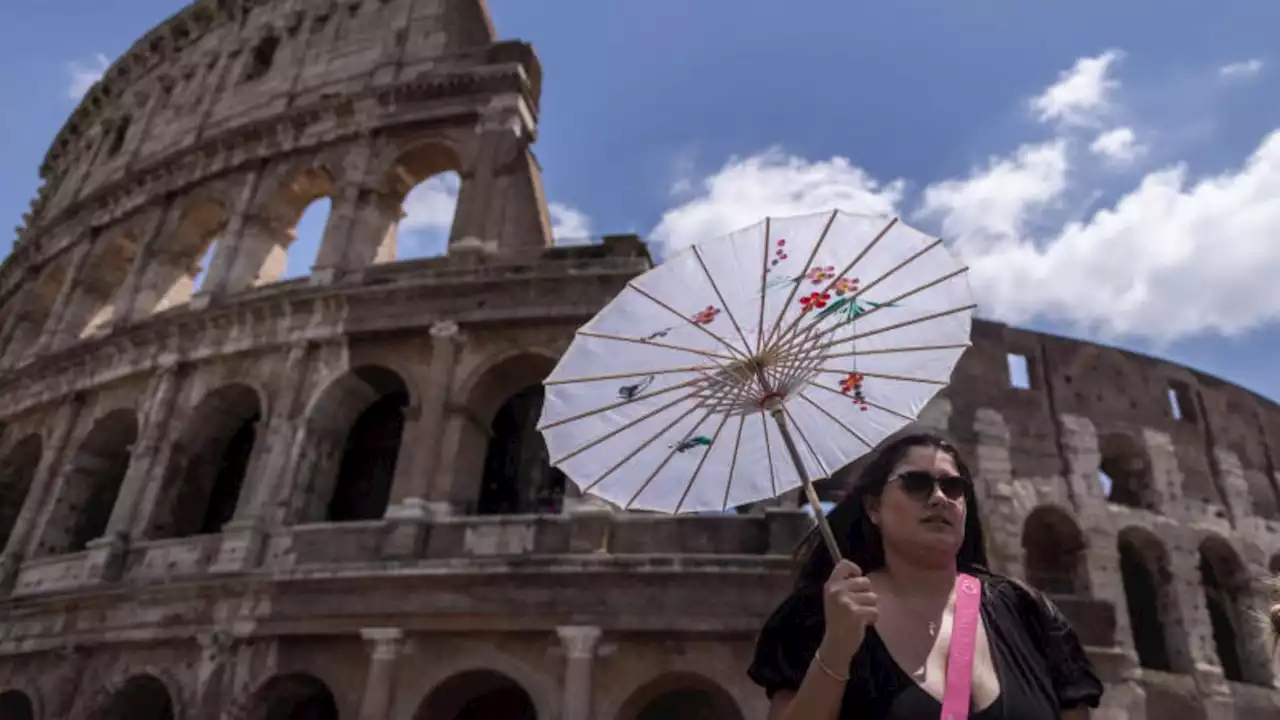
[922, 507]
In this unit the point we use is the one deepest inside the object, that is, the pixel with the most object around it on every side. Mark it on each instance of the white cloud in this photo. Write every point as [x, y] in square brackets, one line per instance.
[568, 224]
[1175, 256]
[84, 76]
[1118, 146]
[1082, 94]
[770, 183]
[993, 204]
[1241, 70]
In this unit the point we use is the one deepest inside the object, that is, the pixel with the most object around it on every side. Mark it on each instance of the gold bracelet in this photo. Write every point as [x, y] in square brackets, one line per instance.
[817, 657]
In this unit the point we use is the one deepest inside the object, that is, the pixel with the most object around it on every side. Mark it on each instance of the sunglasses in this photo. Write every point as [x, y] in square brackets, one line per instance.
[920, 484]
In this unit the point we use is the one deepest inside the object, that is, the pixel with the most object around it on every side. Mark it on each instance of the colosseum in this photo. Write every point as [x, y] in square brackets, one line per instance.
[324, 497]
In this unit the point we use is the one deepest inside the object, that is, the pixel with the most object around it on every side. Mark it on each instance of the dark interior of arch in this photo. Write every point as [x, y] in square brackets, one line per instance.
[1125, 463]
[15, 705]
[518, 477]
[142, 697]
[1220, 602]
[368, 463]
[689, 704]
[478, 695]
[1054, 549]
[1142, 598]
[295, 697]
[97, 472]
[219, 438]
[17, 470]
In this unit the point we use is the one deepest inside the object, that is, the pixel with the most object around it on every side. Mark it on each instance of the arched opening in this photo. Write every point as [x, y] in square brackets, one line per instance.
[425, 186]
[296, 696]
[1054, 550]
[91, 484]
[34, 309]
[354, 431]
[518, 477]
[207, 464]
[680, 696]
[16, 705]
[17, 470]
[270, 250]
[1228, 598]
[92, 306]
[142, 697]
[119, 133]
[429, 209]
[1126, 470]
[262, 58]
[1145, 573]
[477, 695]
[177, 266]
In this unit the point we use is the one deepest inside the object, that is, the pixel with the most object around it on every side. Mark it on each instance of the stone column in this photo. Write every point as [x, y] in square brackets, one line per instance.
[229, 247]
[243, 538]
[127, 295]
[385, 645]
[106, 554]
[579, 642]
[46, 479]
[51, 332]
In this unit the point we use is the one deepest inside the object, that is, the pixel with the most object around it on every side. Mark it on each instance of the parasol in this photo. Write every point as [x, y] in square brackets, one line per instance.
[752, 364]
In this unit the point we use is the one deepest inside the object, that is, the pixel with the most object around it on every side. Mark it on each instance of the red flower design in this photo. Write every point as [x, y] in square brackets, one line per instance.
[852, 382]
[815, 301]
[706, 315]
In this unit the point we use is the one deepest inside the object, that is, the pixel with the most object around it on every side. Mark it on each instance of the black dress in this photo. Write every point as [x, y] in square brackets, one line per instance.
[1038, 658]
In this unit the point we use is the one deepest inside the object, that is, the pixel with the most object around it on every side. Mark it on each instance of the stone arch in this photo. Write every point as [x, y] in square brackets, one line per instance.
[1273, 565]
[292, 696]
[424, 183]
[175, 267]
[262, 253]
[1228, 596]
[93, 301]
[1055, 552]
[141, 697]
[207, 464]
[1125, 465]
[262, 57]
[501, 446]
[680, 696]
[17, 471]
[353, 433]
[33, 311]
[90, 484]
[1147, 577]
[17, 705]
[477, 695]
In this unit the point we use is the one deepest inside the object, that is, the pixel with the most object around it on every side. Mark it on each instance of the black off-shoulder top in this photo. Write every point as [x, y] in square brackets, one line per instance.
[1039, 659]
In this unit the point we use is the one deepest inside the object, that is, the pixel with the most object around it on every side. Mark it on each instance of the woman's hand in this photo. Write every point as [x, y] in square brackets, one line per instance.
[848, 606]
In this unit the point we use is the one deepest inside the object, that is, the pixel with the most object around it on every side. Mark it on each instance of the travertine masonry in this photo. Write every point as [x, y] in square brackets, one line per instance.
[252, 499]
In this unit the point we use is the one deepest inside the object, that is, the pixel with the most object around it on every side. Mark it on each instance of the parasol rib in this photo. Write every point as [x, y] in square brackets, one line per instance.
[719, 296]
[780, 418]
[631, 424]
[881, 376]
[895, 350]
[733, 462]
[615, 405]
[831, 416]
[768, 452]
[632, 374]
[724, 419]
[796, 286]
[838, 276]
[764, 280]
[728, 345]
[671, 452]
[655, 343]
[887, 328]
[822, 468]
[642, 446]
[870, 403]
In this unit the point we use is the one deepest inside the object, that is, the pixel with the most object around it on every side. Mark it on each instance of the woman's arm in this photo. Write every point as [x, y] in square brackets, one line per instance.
[820, 694]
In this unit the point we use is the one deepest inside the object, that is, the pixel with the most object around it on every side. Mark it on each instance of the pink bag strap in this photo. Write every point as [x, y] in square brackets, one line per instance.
[964, 632]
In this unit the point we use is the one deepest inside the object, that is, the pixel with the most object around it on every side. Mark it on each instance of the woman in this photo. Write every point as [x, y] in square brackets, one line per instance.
[869, 637]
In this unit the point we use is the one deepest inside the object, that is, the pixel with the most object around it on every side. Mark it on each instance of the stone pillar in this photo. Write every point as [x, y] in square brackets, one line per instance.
[261, 251]
[228, 248]
[579, 642]
[217, 649]
[244, 537]
[420, 452]
[1002, 508]
[127, 295]
[385, 645]
[22, 537]
[146, 469]
[51, 331]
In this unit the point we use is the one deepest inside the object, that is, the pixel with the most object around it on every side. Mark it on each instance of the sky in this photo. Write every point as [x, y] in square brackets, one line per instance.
[1109, 171]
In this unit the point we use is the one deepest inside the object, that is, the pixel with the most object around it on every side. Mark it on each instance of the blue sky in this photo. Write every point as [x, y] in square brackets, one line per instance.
[1107, 168]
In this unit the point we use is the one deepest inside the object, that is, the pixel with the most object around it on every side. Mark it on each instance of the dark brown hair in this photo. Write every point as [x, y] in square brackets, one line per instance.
[859, 539]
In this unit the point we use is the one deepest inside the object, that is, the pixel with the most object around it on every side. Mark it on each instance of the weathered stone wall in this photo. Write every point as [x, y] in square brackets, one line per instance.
[220, 500]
